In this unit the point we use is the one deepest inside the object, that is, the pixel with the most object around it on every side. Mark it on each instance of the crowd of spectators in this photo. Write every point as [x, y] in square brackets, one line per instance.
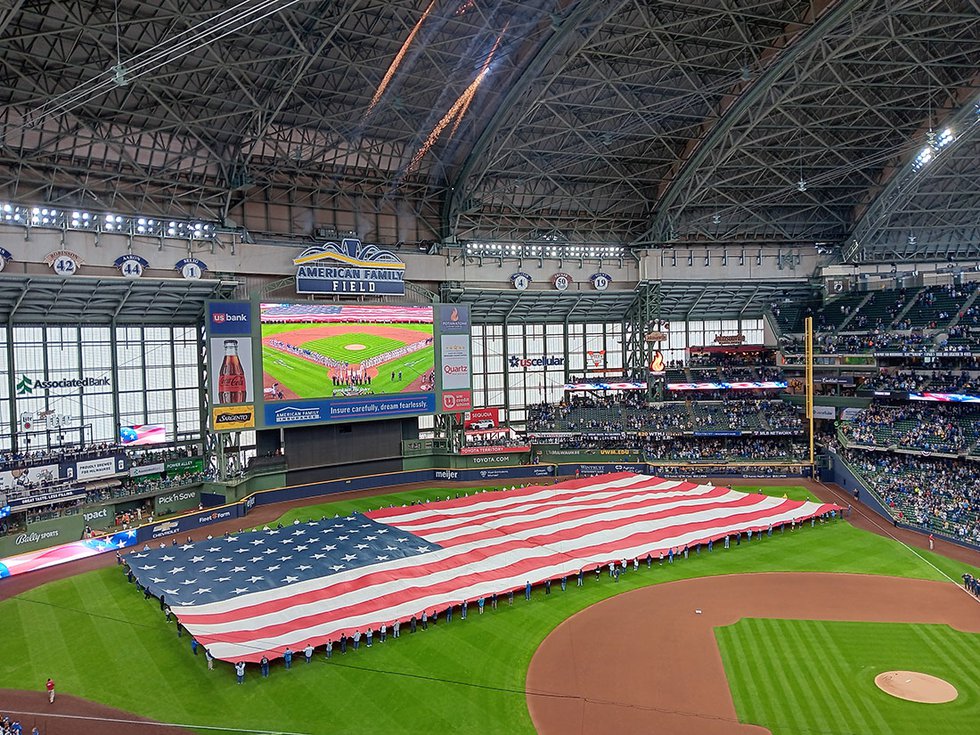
[606, 416]
[490, 440]
[10, 460]
[935, 381]
[944, 429]
[739, 470]
[695, 449]
[28, 481]
[934, 494]
[728, 449]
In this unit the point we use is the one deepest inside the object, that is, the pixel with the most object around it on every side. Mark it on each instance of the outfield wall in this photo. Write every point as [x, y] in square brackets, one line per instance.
[843, 475]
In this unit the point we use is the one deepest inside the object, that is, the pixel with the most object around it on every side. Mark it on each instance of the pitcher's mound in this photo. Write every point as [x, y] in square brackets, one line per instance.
[916, 687]
[354, 347]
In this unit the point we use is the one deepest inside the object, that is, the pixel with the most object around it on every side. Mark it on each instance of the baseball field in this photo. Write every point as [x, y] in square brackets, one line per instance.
[302, 360]
[101, 641]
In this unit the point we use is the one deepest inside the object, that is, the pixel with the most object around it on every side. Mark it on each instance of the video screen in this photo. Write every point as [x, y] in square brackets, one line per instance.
[345, 351]
[145, 434]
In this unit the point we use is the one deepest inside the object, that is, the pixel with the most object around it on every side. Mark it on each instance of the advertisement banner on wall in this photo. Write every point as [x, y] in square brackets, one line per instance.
[95, 469]
[455, 362]
[825, 412]
[99, 517]
[494, 450]
[351, 409]
[180, 524]
[184, 465]
[25, 476]
[456, 400]
[349, 267]
[482, 418]
[55, 496]
[454, 319]
[230, 318]
[43, 533]
[233, 418]
[232, 381]
[145, 470]
[176, 501]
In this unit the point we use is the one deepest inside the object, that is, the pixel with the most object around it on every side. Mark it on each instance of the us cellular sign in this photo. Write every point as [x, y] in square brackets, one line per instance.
[351, 268]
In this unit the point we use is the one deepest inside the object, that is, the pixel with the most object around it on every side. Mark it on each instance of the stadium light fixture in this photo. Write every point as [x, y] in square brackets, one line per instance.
[78, 219]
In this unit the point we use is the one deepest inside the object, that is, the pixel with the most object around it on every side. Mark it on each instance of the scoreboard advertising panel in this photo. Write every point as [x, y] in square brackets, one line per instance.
[275, 364]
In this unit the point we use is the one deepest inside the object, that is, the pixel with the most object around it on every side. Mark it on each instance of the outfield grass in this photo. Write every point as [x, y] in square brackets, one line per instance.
[98, 638]
[309, 380]
[802, 676]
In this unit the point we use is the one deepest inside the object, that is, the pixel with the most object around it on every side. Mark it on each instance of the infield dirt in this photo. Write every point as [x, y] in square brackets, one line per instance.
[647, 662]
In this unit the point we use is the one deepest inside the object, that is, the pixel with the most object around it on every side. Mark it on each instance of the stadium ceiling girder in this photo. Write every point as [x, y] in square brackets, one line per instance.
[625, 102]
[753, 92]
[925, 205]
[620, 121]
[679, 300]
[885, 68]
[44, 299]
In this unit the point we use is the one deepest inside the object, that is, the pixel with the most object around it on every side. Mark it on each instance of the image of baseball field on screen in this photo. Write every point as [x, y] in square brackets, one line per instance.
[342, 351]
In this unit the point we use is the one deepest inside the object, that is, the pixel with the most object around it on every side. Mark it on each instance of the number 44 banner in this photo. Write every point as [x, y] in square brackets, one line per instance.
[131, 266]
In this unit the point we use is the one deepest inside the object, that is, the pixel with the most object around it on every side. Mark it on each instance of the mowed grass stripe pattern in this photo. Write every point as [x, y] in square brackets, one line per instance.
[337, 347]
[461, 678]
[801, 676]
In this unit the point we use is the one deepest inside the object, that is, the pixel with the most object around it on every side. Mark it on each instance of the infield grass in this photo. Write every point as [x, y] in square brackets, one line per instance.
[814, 676]
[99, 639]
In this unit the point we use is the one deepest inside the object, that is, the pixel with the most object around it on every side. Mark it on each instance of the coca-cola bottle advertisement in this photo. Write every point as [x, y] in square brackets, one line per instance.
[231, 360]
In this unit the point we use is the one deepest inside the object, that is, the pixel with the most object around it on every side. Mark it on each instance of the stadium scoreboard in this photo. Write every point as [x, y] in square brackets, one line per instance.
[279, 364]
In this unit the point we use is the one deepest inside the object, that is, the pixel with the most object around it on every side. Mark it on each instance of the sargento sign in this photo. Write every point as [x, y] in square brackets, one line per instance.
[228, 418]
[349, 267]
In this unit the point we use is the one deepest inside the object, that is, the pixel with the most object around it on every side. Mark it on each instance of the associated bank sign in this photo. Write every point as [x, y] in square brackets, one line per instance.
[350, 267]
[27, 386]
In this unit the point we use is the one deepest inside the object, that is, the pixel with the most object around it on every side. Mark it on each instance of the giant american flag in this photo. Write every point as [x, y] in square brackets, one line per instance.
[257, 593]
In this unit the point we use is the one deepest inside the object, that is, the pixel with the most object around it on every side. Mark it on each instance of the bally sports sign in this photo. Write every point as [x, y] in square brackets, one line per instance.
[349, 267]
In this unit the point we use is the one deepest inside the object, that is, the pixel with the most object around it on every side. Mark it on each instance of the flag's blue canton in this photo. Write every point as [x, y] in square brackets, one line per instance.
[219, 568]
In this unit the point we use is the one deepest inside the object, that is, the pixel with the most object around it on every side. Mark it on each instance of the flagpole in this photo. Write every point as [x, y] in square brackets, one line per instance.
[808, 357]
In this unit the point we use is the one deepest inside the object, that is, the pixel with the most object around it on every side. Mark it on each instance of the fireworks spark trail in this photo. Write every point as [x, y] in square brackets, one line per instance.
[470, 94]
[458, 109]
[396, 62]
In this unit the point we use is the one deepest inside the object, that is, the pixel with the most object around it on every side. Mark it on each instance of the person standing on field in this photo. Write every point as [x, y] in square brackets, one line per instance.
[50, 687]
